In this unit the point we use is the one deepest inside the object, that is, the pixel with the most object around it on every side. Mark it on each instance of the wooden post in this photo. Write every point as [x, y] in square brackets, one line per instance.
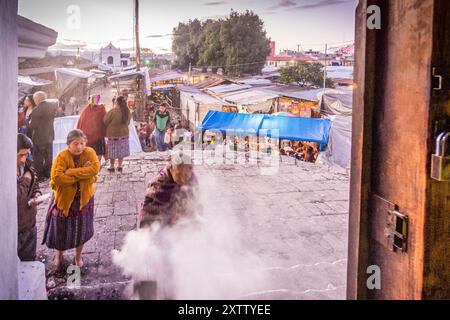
[136, 30]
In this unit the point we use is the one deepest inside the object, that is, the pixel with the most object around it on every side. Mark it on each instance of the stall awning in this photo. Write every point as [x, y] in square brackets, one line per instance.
[171, 75]
[69, 78]
[289, 128]
[249, 97]
[73, 72]
[297, 128]
[239, 123]
[164, 87]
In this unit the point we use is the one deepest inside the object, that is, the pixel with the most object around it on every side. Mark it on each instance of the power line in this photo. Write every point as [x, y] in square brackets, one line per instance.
[232, 65]
[181, 34]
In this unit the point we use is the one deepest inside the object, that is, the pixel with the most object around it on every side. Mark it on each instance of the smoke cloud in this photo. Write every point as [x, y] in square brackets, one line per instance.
[194, 260]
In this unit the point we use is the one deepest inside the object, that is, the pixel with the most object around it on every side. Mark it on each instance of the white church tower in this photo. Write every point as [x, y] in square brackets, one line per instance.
[110, 56]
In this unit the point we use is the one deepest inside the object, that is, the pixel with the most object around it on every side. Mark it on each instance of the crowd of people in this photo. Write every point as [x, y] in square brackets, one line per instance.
[36, 122]
[303, 151]
[160, 133]
[73, 173]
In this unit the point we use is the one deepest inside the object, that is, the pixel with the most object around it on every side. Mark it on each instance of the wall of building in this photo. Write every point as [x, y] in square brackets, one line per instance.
[115, 53]
[8, 131]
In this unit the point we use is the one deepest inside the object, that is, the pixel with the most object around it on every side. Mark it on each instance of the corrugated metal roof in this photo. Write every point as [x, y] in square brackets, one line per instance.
[166, 76]
[198, 96]
[222, 89]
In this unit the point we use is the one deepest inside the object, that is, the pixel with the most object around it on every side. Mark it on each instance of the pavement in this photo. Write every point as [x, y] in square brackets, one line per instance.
[294, 223]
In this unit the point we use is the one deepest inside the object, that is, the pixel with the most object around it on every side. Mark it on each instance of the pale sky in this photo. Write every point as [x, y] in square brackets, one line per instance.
[311, 23]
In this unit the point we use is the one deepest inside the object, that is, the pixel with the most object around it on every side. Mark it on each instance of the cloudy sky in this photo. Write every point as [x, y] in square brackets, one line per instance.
[310, 23]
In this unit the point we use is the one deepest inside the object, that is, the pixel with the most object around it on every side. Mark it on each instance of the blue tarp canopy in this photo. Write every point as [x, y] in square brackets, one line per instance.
[239, 123]
[297, 128]
[289, 128]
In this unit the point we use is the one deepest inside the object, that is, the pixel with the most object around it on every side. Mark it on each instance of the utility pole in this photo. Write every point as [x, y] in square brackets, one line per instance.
[136, 30]
[298, 50]
[325, 69]
[190, 72]
[77, 58]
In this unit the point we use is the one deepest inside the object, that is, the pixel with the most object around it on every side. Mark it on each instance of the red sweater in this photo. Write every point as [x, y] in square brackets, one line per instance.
[91, 123]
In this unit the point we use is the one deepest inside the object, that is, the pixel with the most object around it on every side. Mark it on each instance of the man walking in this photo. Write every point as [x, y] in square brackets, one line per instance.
[43, 135]
[161, 120]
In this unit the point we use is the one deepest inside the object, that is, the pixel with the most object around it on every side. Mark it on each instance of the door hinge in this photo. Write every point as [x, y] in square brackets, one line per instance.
[437, 76]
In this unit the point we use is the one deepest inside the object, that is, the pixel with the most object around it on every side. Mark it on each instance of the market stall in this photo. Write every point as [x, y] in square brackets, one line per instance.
[64, 125]
[26, 84]
[136, 84]
[73, 85]
[195, 104]
[252, 100]
[278, 127]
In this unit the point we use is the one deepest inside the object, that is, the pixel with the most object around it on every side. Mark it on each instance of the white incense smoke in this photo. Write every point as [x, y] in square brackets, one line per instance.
[193, 261]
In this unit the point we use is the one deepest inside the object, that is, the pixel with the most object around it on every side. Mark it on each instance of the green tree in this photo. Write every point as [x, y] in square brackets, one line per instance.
[237, 43]
[244, 42]
[305, 74]
[212, 51]
[187, 42]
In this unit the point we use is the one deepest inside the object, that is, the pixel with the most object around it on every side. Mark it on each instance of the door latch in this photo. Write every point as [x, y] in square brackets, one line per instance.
[397, 231]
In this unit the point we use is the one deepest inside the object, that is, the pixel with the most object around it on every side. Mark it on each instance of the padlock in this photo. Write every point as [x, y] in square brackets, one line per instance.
[440, 162]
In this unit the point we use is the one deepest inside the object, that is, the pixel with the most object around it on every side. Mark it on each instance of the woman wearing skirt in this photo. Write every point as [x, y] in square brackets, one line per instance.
[70, 217]
[117, 121]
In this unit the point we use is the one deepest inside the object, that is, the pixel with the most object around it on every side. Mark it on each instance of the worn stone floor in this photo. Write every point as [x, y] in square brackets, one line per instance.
[295, 221]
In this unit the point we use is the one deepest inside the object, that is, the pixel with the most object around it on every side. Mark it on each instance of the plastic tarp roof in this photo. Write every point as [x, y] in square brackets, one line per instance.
[64, 125]
[239, 123]
[27, 83]
[297, 128]
[32, 81]
[249, 97]
[131, 75]
[68, 78]
[289, 128]
[337, 103]
[338, 152]
[308, 95]
[222, 89]
[126, 75]
[73, 72]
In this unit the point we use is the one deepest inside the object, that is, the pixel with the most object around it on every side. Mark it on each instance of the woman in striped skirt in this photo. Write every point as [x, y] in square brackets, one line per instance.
[70, 217]
[117, 121]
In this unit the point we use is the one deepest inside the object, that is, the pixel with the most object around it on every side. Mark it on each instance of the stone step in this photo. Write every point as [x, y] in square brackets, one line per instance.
[104, 291]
